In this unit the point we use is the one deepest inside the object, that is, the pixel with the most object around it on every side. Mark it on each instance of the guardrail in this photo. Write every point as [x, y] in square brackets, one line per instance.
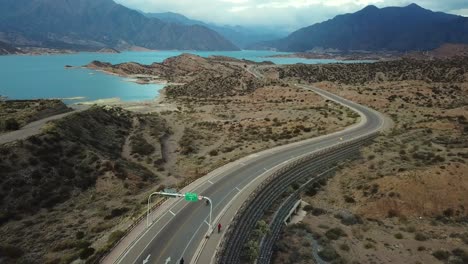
[276, 225]
[262, 197]
[100, 256]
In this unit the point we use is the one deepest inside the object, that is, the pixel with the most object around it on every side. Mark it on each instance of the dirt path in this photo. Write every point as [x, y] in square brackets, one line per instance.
[34, 128]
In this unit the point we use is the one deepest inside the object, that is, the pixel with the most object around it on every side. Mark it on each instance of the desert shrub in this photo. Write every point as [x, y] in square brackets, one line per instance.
[251, 250]
[441, 254]
[79, 235]
[308, 208]
[335, 233]
[464, 238]
[11, 124]
[344, 247]
[87, 252]
[368, 245]
[11, 251]
[392, 213]
[399, 236]
[328, 253]
[141, 146]
[301, 226]
[448, 212]
[115, 236]
[459, 252]
[318, 211]
[349, 199]
[213, 152]
[410, 229]
[116, 212]
[420, 237]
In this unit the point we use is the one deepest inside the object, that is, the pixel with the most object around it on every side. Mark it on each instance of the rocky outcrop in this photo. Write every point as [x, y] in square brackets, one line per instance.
[200, 77]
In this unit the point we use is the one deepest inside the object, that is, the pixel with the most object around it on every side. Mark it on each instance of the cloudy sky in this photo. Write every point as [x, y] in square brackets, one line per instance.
[290, 14]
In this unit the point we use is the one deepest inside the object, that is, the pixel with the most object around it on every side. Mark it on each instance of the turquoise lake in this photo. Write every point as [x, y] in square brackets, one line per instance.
[31, 77]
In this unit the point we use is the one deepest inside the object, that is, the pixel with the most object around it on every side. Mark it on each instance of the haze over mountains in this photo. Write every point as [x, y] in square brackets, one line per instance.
[391, 28]
[94, 24]
[241, 36]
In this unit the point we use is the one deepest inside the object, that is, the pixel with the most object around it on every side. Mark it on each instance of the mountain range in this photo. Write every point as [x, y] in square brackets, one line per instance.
[391, 28]
[98, 24]
[95, 24]
[242, 37]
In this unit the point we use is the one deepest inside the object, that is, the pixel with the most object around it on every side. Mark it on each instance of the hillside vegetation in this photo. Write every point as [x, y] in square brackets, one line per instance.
[15, 114]
[446, 71]
[70, 184]
[405, 200]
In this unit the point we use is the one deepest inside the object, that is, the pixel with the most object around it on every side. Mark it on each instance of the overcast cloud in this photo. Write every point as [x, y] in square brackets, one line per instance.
[290, 14]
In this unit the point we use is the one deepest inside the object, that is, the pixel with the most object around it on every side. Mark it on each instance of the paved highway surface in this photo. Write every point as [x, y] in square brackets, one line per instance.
[179, 231]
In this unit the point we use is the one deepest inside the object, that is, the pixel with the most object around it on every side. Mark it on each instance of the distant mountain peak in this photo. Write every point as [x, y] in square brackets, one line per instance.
[391, 28]
[370, 7]
[96, 24]
[414, 6]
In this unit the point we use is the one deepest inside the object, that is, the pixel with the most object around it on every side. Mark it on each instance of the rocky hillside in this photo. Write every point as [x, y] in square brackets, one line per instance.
[391, 28]
[95, 24]
[200, 77]
[443, 52]
[16, 113]
[70, 184]
[454, 70]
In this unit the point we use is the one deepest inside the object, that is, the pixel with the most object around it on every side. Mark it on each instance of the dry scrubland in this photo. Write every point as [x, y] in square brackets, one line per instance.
[69, 192]
[406, 200]
[15, 114]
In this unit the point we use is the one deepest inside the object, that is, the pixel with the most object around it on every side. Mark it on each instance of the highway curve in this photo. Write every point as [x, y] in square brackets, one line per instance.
[178, 231]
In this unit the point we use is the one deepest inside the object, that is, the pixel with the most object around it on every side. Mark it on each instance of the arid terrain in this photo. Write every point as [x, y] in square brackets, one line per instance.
[77, 185]
[405, 200]
[80, 183]
[15, 114]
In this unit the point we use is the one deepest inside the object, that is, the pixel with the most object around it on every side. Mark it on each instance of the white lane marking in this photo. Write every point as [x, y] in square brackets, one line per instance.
[216, 174]
[172, 213]
[168, 260]
[207, 223]
[148, 229]
[265, 169]
[218, 204]
[210, 182]
[191, 239]
[146, 259]
[237, 188]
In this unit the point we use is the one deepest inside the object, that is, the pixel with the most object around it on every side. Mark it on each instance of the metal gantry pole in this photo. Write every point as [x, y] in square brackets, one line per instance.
[210, 225]
[149, 202]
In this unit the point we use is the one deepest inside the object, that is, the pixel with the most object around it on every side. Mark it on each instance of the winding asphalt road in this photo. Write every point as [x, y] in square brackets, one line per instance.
[179, 230]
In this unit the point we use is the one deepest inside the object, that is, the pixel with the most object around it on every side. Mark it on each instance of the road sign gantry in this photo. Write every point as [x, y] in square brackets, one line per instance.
[191, 197]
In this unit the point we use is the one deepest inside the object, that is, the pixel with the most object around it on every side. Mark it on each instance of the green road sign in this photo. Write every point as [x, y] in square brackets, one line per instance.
[191, 197]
